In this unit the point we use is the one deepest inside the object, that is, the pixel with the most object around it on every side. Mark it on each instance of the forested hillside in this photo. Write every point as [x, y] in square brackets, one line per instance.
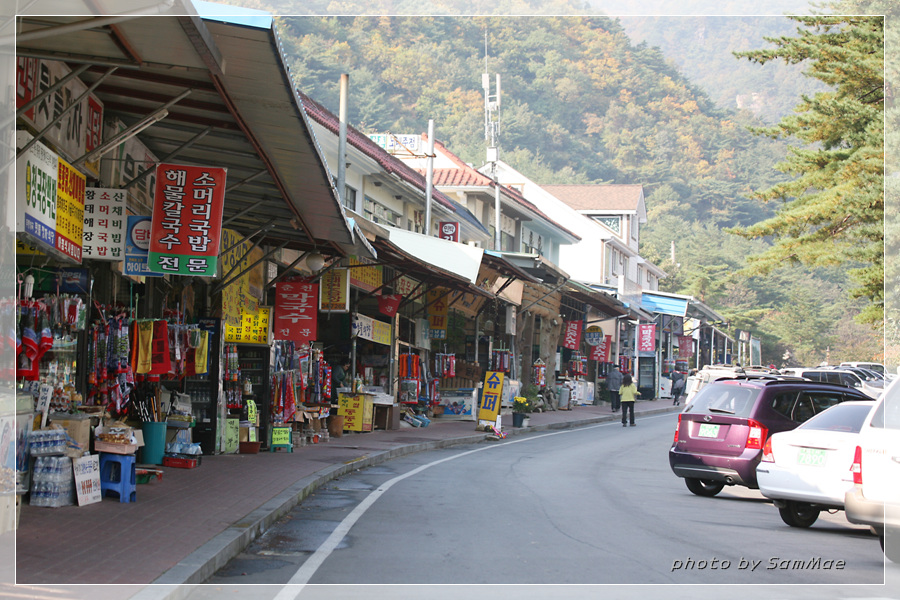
[583, 103]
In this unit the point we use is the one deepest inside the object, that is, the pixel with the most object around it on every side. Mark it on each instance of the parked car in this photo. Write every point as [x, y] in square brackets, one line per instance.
[838, 376]
[874, 366]
[874, 498]
[710, 373]
[807, 470]
[721, 433]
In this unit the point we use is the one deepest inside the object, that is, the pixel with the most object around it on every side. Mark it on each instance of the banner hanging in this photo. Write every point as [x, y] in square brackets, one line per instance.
[572, 334]
[295, 318]
[187, 220]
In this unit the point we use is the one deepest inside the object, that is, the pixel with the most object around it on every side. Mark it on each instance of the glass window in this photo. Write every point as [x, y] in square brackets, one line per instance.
[724, 399]
[783, 403]
[848, 417]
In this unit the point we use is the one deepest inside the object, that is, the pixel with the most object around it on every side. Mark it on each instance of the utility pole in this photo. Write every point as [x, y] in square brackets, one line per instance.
[491, 135]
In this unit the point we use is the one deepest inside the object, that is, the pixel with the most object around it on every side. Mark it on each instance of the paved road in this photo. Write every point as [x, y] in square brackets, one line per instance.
[597, 505]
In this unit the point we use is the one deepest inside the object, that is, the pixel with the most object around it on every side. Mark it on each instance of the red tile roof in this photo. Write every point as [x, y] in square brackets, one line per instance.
[599, 197]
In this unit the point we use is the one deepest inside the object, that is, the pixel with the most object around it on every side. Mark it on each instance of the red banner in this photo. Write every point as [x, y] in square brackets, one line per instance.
[685, 347]
[388, 304]
[647, 337]
[187, 220]
[600, 352]
[572, 334]
[296, 312]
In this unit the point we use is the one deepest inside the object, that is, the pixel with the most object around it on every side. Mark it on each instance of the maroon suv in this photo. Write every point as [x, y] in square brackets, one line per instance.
[721, 434]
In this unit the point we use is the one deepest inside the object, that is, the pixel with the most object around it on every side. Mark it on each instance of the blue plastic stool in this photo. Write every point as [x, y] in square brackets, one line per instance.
[117, 474]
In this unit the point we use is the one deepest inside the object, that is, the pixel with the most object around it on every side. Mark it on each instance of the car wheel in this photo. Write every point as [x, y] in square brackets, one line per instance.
[891, 545]
[799, 514]
[704, 487]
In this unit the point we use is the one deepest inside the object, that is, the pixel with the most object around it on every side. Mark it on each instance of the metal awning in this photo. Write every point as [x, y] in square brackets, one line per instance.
[458, 259]
[666, 305]
[536, 266]
[240, 113]
[601, 301]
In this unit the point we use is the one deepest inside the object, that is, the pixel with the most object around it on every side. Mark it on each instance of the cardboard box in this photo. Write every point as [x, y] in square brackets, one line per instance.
[78, 427]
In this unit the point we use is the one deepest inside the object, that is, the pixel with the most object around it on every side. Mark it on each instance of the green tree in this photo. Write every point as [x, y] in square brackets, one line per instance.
[833, 207]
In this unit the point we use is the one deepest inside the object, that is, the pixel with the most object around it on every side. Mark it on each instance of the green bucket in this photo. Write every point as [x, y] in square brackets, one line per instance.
[154, 443]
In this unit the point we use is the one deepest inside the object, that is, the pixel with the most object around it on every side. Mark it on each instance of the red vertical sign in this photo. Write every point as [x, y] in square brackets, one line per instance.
[685, 347]
[572, 335]
[647, 337]
[600, 352]
[187, 220]
[296, 312]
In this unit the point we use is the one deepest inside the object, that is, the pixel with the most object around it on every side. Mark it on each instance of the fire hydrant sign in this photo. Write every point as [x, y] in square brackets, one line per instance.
[187, 220]
[87, 479]
[491, 396]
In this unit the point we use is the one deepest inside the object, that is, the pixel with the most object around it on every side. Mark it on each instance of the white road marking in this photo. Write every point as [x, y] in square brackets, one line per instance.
[298, 581]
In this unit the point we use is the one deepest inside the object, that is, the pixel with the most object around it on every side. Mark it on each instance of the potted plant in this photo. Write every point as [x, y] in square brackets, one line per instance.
[522, 407]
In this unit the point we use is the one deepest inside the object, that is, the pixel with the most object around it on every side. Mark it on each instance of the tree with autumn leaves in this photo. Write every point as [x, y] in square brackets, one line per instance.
[832, 209]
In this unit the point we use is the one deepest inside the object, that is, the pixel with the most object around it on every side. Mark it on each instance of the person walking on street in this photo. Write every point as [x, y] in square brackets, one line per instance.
[613, 383]
[628, 393]
[677, 389]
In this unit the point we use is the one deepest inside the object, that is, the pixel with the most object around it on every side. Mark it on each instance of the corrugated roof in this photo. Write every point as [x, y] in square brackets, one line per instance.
[598, 197]
[385, 160]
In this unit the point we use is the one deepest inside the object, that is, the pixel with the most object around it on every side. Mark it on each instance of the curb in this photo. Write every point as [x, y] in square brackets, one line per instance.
[177, 583]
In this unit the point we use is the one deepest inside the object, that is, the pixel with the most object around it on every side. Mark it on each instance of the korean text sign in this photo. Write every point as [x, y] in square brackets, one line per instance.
[187, 220]
[437, 313]
[38, 169]
[600, 352]
[647, 337]
[296, 314]
[572, 335]
[106, 225]
[491, 396]
[69, 210]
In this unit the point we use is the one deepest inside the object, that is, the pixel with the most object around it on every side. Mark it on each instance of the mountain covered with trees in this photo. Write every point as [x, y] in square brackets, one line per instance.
[583, 103]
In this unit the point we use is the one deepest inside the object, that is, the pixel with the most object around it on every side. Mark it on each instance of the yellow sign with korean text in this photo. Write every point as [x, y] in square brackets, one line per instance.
[491, 396]
[334, 291]
[281, 436]
[253, 329]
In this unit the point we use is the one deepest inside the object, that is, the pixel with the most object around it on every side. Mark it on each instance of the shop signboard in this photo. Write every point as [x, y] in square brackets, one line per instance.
[685, 347]
[137, 244]
[389, 303]
[38, 169]
[106, 225]
[572, 335]
[253, 329]
[70, 190]
[449, 230]
[437, 313]
[243, 292]
[600, 352]
[87, 479]
[357, 410]
[405, 285]
[334, 291]
[187, 220]
[646, 337]
[593, 335]
[366, 278]
[371, 329]
[80, 129]
[491, 396]
[295, 318]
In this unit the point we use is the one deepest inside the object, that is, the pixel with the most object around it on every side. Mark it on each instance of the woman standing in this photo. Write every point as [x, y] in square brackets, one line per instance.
[628, 392]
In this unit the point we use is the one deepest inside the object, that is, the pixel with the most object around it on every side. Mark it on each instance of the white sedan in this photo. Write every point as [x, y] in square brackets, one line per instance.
[808, 469]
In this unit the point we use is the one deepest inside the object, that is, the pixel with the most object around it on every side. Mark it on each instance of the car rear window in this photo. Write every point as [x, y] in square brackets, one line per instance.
[848, 417]
[724, 399]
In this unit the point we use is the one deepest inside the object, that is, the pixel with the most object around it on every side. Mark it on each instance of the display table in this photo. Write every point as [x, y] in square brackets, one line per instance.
[357, 410]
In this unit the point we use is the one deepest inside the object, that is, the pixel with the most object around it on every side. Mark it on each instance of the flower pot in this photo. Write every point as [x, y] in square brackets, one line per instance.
[518, 419]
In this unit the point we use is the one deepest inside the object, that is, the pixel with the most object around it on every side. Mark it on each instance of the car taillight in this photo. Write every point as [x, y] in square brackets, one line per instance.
[767, 455]
[677, 429]
[856, 467]
[757, 436]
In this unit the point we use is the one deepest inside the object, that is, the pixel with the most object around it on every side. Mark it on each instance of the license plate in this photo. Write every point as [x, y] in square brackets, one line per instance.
[708, 431]
[811, 457]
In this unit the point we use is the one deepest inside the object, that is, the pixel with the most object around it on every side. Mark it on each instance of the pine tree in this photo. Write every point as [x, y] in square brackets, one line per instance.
[833, 207]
